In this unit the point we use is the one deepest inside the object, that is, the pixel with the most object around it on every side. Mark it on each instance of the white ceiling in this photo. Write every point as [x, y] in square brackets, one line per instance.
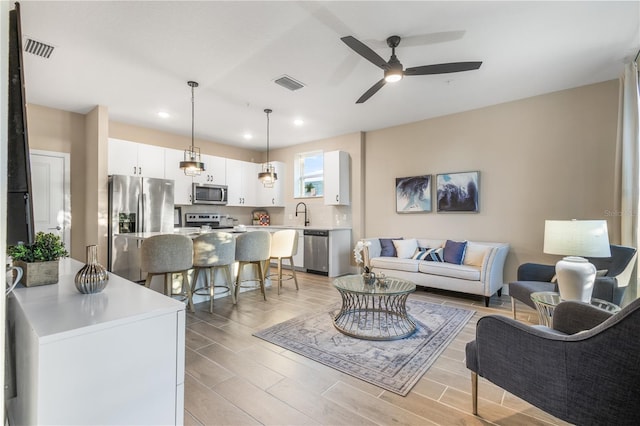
[136, 58]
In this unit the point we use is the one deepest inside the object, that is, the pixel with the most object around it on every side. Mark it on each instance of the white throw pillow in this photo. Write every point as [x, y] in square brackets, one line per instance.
[474, 255]
[405, 248]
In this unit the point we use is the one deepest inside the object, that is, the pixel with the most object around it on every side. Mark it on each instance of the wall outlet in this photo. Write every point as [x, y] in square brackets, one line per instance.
[290, 216]
[344, 216]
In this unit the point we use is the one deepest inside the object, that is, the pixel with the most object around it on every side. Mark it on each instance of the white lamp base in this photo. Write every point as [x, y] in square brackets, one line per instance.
[575, 278]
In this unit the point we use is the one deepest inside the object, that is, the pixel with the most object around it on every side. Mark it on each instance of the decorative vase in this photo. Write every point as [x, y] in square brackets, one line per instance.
[39, 273]
[92, 277]
[369, 278]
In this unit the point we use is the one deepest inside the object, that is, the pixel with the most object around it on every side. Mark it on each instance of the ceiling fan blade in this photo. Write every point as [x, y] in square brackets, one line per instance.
[443, 68]
[364, 51]
[372, 91]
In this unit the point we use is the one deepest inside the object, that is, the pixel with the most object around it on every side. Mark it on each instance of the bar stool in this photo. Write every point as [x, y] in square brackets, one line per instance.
[284, 245]
[252, 248]
[167, 255]
[216, 250]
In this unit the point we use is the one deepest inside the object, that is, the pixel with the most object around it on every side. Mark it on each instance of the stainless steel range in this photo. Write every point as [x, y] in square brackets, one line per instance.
[214, 220]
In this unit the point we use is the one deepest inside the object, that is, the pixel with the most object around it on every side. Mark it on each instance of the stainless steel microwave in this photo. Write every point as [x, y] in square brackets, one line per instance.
[209, 194]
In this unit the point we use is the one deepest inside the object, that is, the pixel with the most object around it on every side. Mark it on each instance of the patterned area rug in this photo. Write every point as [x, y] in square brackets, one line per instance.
[395, 365]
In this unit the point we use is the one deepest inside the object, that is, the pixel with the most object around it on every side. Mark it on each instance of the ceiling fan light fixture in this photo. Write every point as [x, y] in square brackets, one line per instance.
[394, 71]
[392, 76]
[268, 175]
[192, 164]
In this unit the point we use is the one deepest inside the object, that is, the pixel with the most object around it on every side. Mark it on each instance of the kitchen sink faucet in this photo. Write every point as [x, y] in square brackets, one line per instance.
[306, 221]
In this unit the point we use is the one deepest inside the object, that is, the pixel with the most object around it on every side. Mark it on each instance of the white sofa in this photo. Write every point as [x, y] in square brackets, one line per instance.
[481, 271]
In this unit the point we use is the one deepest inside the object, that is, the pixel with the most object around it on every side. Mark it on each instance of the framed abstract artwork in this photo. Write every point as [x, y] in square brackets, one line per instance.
[413, 194]
[458, 192]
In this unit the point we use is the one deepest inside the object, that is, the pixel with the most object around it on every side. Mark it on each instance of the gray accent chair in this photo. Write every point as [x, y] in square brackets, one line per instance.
[533, 277]
[582, 377]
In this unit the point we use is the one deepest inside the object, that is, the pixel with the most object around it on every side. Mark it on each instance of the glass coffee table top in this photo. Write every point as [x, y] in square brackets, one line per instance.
[385, 286]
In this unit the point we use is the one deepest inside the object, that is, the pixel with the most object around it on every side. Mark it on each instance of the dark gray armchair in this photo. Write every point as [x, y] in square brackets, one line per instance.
[534, 277]
[590, 377]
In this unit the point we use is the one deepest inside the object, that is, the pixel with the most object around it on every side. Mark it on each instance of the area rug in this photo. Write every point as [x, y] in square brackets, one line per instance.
[395, 365]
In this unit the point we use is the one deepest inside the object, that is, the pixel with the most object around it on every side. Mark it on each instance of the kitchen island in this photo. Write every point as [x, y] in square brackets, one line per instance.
[338, 245]
[116, 357]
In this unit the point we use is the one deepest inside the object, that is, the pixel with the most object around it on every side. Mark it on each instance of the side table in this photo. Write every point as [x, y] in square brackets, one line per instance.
[546, 302]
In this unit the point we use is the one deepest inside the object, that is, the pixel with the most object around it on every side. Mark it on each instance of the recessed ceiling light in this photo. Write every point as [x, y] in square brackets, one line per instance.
[248, 136]
[298, 122]
[163, 114]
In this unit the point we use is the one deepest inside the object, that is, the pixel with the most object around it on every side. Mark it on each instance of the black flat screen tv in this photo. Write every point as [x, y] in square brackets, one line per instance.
[19, 194]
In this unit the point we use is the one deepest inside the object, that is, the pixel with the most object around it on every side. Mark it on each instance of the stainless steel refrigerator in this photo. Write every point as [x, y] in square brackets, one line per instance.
[136, 204]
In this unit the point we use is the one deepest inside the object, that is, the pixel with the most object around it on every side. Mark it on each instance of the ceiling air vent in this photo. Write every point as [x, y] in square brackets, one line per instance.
[38, 48]
[289, 83]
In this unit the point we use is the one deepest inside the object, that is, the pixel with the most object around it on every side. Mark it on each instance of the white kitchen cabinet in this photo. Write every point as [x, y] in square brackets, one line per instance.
[135, 159]
[215, 172]
[242, 178]
[336, 178]
[272, 197]
[182, 182]
[116, 357]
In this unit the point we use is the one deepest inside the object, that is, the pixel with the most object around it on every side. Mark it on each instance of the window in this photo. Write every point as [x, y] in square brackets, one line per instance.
[309, 175]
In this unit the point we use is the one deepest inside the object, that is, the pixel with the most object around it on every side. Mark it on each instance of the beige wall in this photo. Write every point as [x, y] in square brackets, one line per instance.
[546, 157]
[53, 129]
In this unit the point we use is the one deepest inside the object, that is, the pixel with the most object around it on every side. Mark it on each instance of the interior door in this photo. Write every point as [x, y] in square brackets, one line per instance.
[51, 193]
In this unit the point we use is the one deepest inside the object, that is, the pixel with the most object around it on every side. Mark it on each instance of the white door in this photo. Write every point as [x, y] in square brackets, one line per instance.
[51, 193]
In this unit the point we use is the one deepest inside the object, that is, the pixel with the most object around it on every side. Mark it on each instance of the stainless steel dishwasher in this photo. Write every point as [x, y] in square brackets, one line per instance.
[316, 251]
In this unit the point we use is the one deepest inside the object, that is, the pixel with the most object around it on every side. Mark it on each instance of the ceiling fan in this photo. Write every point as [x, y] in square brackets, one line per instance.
[393, 70]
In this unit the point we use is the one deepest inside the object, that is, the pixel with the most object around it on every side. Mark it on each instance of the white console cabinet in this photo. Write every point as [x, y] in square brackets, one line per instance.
[116, 357]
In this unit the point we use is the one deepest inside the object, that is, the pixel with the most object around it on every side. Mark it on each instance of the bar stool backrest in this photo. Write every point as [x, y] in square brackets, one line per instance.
[214, 249]
[166, 253]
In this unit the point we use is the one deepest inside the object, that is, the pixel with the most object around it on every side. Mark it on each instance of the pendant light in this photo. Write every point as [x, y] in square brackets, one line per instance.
[268, 175]
[192, 164]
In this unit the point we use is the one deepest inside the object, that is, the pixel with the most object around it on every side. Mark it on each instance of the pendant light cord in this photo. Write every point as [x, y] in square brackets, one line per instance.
[193, 109]
[268, 111]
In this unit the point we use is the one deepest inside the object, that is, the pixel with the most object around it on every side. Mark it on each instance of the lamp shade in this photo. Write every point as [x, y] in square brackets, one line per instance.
[584, 238]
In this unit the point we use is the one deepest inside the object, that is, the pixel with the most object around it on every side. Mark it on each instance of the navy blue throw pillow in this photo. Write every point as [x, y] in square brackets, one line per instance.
[388, 249]
[454, 251]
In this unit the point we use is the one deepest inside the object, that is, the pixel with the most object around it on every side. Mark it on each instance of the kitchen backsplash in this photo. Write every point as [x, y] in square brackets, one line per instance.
[318, 214]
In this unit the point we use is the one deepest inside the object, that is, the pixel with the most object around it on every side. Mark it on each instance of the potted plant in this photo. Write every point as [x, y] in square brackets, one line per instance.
[310, 189]
[39, 261]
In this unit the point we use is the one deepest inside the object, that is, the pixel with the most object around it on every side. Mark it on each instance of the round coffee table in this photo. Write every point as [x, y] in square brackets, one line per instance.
[374, 311]
[546, 302]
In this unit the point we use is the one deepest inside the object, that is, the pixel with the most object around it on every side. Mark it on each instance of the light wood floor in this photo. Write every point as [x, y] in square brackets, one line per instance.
[234, 378]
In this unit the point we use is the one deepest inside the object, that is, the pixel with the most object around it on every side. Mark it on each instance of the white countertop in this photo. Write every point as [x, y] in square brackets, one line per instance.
[58, 311]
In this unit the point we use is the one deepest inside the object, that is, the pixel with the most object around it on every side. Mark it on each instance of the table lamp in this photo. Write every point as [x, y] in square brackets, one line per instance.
[576, 239]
